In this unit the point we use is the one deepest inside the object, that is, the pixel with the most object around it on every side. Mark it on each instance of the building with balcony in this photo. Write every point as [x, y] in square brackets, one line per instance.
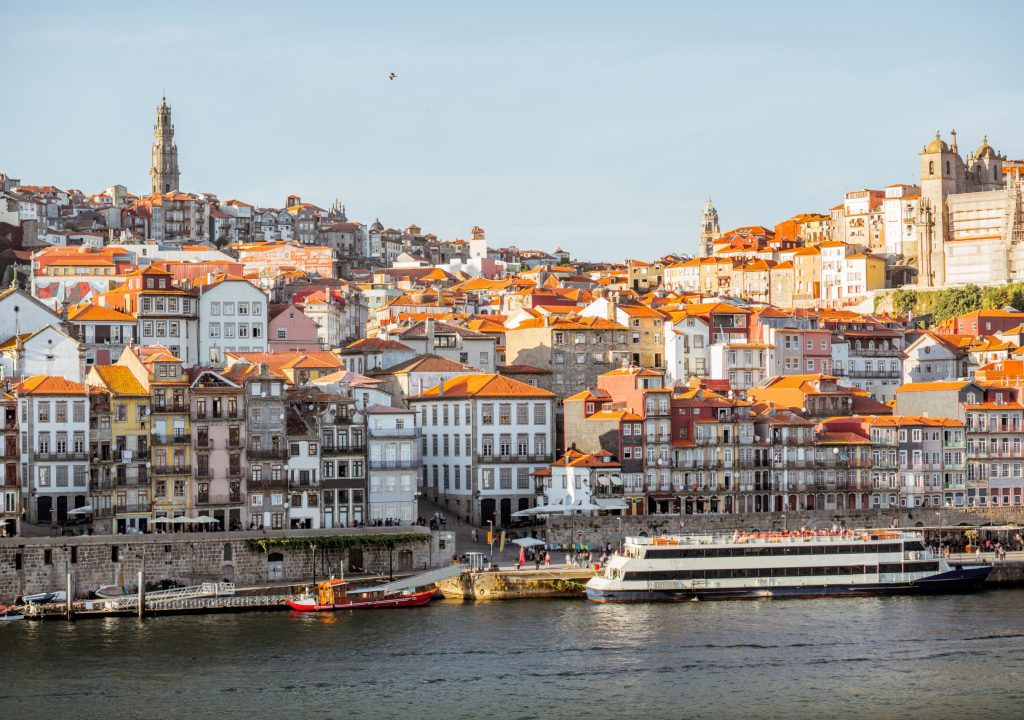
[303, 469]
[342, 456]
[10, 487]
[267, 448]
[483, 437]
[119, 445]
[394, 463]
[217, 420]
[53, 419]
[163, 376]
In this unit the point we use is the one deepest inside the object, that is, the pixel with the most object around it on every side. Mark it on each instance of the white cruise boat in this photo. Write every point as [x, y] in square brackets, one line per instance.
[765, 565]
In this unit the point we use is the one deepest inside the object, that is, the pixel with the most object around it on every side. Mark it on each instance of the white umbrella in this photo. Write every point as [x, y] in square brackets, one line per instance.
[162, 520]
[182, 520]
[206, 519]
[528, 542]
[81, 510]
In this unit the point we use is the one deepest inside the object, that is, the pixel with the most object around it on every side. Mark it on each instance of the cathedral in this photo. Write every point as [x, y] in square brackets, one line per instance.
[969, 226]
[163, 170]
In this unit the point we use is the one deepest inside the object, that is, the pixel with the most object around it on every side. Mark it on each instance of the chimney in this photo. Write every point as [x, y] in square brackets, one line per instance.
[609, 309]
[428, 325]
[264, 369]
[440, 388]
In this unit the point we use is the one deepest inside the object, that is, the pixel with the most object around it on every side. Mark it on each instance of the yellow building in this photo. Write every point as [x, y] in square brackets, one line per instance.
[163, 377]
[123, 447]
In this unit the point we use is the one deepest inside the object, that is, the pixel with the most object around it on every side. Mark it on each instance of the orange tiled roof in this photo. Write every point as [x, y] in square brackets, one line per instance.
[119, 380]
[485, 385]
[49, 385]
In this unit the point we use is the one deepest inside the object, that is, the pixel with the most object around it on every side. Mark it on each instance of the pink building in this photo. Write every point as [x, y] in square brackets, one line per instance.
[800, 352]
[290, 329]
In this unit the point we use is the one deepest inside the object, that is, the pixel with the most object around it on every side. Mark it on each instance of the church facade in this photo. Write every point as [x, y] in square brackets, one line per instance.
[969, 226]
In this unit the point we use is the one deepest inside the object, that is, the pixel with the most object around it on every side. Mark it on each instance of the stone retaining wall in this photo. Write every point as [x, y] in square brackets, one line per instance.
[33, 565]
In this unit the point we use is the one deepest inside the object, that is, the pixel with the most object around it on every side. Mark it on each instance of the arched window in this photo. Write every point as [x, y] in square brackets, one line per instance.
[227, 552]
[931, 167]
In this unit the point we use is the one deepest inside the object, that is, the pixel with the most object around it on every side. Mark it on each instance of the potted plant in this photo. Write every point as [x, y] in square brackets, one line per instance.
[972, 536]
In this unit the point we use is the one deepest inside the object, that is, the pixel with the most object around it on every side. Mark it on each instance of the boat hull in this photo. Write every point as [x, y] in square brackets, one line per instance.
[396, 601]
[967, 579]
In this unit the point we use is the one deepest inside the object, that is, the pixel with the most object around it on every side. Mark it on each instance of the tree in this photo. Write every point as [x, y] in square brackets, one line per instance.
[904, 301]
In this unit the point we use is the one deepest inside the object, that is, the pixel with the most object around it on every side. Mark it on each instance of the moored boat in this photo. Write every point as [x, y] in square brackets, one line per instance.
[337, 594]
[769, 565]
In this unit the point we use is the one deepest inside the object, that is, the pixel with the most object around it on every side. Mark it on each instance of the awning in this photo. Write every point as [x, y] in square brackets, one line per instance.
[611, 504]
[616, 480]
[663, 498]
[84, 510]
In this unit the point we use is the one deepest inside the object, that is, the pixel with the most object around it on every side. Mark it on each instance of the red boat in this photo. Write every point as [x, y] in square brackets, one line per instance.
[337, 595]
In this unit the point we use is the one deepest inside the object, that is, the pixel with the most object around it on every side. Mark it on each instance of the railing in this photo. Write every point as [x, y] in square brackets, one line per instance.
[538, 458]
[876, 352]
[857, 373]
[236, 443]
[395, 432]
[394, 464]
[218, 499]
[51, 456]
[129, 482]
[173, 439]
[203, 472]
[267, 453]
[342, 449]
[172, 470]
[171, 407]
[235, 471]
[268, 483]
[132, 507]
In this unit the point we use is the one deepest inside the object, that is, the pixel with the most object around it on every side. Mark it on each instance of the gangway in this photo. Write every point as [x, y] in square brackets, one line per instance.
[431, 577]
[205, 590]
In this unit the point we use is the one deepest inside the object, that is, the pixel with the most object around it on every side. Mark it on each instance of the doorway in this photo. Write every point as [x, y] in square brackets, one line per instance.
[275, 567]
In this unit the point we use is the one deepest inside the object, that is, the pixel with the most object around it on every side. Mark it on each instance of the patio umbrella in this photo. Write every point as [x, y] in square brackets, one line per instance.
[206, 519]
[528, 542]
[182, 520]
[81, 510]
[162, 520]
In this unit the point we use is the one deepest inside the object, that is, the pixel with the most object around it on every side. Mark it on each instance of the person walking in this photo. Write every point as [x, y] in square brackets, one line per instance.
[547, 560]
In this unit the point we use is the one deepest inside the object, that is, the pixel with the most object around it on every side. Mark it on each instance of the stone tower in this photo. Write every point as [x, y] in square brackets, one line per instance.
[163, 170]
[942, 175]
[709, 229]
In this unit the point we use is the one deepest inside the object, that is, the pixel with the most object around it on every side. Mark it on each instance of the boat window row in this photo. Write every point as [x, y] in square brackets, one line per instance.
[742, 573]
[768, 551]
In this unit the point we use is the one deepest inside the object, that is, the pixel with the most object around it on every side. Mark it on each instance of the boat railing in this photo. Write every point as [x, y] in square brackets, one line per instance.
[789, 537]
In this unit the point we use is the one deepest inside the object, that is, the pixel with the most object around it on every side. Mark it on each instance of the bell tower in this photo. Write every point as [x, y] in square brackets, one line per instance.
[942, 175]
[163, 169]
[709, 229]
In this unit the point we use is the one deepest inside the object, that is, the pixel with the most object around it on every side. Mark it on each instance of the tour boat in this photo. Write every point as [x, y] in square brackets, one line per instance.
[336, 594]
[787, 564]
[9, 613]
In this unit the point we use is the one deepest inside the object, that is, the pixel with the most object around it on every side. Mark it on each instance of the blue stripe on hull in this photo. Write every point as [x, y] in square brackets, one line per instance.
[954, 581]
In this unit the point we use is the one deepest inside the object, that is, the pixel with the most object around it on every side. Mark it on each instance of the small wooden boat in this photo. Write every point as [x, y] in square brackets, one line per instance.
[107, 592]
[336, 594]
[9, 613]
[58, 596]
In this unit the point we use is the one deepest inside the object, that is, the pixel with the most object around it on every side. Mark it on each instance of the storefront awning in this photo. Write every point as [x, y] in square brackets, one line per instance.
[611, 504]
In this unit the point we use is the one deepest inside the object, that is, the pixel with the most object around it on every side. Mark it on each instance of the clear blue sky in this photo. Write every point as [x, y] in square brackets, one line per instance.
[600, 127]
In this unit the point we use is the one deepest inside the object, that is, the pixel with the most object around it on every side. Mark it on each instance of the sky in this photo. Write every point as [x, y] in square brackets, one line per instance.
[598, 127]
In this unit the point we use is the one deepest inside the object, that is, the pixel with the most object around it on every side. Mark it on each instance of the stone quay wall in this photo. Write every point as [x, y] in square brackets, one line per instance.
[34, 565]
[612, 529]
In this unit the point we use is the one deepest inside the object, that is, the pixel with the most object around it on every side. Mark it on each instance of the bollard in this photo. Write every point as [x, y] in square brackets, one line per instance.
[69, 600]
[142, 594]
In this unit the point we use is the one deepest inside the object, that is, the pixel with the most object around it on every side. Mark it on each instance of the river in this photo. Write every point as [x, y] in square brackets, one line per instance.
[927, 657]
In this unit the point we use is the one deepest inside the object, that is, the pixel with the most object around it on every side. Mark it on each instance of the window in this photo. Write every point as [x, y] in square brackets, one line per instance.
[215, 310]
[540, 414]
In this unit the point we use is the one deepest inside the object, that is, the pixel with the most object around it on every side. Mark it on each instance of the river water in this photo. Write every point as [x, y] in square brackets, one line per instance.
[942, 657]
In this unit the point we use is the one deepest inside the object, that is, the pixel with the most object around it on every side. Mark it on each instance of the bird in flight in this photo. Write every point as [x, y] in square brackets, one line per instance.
[392, 76]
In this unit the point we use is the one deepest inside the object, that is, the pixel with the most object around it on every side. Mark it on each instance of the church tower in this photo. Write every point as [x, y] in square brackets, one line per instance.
[709, 229]
[942, 174]
[163, 169]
